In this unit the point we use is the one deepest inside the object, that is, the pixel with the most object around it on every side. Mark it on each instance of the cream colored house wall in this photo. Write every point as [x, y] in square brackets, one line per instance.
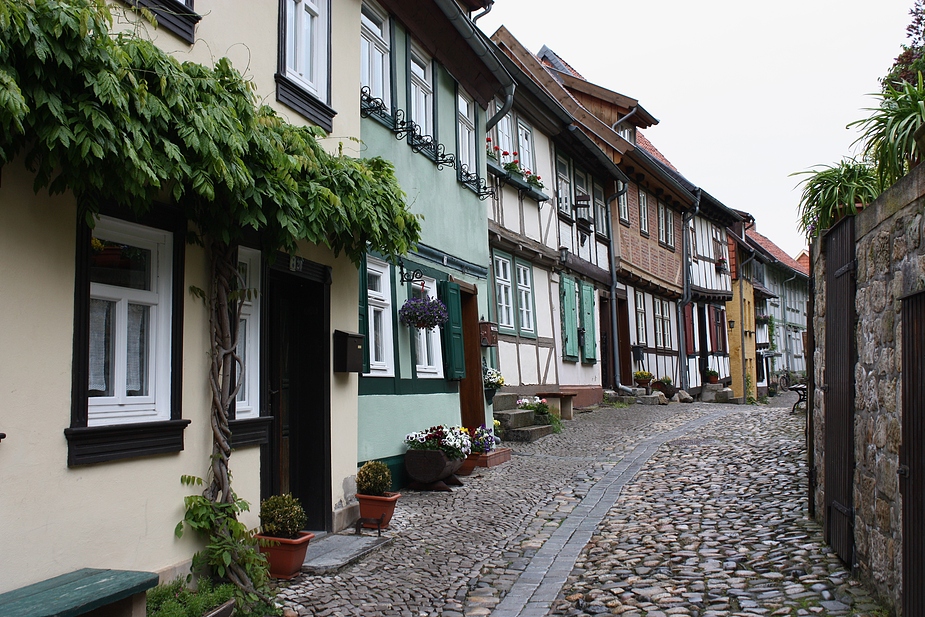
[122, 514]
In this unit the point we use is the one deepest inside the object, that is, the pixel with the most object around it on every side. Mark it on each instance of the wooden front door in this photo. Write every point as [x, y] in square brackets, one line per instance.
[471, 392]
[299, 394]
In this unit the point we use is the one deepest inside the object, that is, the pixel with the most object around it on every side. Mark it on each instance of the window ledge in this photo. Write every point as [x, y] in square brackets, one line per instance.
[97, 444]
[250, 431]
[516, 180]
[298, 98]
[172, 15]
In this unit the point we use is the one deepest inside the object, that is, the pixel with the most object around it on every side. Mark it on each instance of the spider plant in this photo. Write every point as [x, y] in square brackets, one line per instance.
[832, 191]
[888, 134]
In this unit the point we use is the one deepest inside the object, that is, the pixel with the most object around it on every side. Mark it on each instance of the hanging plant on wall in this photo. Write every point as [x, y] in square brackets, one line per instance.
[423, 313]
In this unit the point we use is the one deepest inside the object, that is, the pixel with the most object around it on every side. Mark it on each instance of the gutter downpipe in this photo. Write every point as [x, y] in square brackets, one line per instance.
[483, 13]
[466, 29]
[624, 119]
[686, 297]
[613, 295]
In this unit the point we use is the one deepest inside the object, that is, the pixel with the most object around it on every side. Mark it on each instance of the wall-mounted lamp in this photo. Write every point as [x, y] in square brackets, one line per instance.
[563, 254]
[732, 324]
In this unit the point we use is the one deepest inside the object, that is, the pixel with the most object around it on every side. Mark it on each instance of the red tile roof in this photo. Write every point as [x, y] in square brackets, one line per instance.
[647, 145]
[777, 252]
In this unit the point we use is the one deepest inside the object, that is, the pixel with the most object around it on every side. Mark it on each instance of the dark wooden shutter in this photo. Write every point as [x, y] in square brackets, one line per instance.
[454, 351]
[569, 318]
[912, 453]
[589, 344]
[711, 316]
[364, 312]
[721, 330]
[689, 329]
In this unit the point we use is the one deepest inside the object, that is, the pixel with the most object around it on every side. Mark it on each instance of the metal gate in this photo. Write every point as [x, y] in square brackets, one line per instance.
[912, 453]
[840, 356]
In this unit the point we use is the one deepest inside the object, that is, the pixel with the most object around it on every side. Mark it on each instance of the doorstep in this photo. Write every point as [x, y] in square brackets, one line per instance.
[334, 552]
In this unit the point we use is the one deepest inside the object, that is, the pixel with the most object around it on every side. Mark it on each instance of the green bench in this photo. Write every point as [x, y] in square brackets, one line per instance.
[116, 593]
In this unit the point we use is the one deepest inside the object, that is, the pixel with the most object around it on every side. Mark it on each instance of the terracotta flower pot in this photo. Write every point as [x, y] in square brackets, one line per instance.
[285, 555]
[374, 506]
[713, 379]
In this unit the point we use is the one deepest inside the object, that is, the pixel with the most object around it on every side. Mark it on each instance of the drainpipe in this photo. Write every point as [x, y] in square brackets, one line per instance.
[613, 295]
[688, 216]
[624, 119]
[468, 31]
[483, 13]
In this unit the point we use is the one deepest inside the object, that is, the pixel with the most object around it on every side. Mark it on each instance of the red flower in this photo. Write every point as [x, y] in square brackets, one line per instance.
[488, 139]
[514, 153]
[516, 162]
[505, 153]
[497, 148]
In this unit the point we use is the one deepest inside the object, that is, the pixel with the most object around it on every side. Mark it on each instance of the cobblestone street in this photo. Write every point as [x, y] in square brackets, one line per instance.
[693, 510]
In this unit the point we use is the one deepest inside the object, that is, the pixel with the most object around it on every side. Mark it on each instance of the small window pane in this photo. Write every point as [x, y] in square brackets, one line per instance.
[101, 347]
[122, 265]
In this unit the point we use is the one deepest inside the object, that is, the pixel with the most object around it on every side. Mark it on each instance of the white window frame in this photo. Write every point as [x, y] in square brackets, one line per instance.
[505, 133]
[247, 404]
[525, 146]
[504, 293]
[424, 338]
[465, 115]
[669, 226]
[422, 90]
[375, 47]
[155, 406]
[525, 297]
[563, 186]
[380, 302]
[662, 323]
[601, 222]
[641, 338]
[624, 206]
[307, 45]
[643, 211]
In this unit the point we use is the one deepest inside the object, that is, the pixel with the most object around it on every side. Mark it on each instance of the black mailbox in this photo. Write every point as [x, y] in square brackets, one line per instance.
[348, 352]
[638, 353]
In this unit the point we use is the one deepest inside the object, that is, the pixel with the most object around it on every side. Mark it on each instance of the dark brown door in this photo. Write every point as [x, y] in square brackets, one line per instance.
[299, 375]
[471, 393]
[912, 454]
[840, 354]
[623, 342]
[606, 354]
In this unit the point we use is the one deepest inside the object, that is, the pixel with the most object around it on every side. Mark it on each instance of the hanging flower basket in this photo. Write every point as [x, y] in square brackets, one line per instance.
[423, 313]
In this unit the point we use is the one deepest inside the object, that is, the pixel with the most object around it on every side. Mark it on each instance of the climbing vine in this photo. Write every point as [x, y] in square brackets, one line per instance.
[113, 119]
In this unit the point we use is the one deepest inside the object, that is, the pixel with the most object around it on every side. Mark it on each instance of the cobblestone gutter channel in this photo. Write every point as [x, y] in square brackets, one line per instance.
[678, 510]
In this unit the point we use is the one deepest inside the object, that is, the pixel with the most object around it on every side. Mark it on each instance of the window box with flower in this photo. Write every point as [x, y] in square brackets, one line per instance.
[721, 265]
[485, 451]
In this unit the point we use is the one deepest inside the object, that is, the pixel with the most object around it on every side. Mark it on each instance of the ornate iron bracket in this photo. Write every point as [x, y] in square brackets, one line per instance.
[414, 275]
[473, 181]
[371, 106]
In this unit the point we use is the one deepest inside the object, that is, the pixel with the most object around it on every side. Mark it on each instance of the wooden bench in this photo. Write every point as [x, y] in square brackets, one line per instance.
[559, 403]
[115, 593]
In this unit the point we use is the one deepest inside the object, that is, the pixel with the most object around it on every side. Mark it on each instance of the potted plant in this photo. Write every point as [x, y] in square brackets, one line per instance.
[175, 599]
[721, 264]
[513, 166]
[374, 483]
[712, 376]
[485, 452]
[664, 385]
[282, 540]
[534, 180]
[642, 378]
[424, 313]
[435, 454]
[492, 380]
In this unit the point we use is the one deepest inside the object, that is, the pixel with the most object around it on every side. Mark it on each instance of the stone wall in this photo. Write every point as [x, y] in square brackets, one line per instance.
[890, 265]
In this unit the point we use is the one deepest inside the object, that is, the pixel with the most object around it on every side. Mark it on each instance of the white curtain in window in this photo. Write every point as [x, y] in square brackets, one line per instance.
[99, 318]
[135, 371]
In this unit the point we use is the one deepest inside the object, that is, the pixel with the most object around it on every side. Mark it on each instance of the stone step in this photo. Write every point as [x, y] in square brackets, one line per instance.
[504, 401]
[528, 433]
[514, 419]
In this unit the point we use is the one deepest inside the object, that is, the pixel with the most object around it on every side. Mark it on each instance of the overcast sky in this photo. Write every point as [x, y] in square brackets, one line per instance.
[745, 93]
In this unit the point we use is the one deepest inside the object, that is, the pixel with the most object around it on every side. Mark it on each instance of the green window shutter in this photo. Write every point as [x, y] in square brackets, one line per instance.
[454, 352]
[589, 348]
[569, 318]
[364, 313]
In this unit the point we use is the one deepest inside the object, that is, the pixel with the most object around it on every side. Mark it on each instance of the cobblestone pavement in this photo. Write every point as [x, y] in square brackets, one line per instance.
[694, 510]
